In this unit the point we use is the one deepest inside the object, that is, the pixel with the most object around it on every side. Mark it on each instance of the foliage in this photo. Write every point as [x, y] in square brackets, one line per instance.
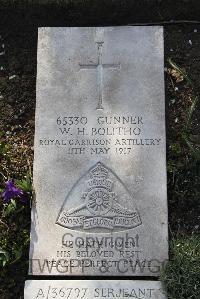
[14, 237]
[195, 99]
[182, 274]
[13, 246]
[3, 149]
[14, 199]
[25, 184]
[9, 208]
[4, 257]
[183, 152]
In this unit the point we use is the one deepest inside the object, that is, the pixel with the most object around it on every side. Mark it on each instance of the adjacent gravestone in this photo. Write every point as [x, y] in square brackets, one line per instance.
[99, 165]
[91, 289]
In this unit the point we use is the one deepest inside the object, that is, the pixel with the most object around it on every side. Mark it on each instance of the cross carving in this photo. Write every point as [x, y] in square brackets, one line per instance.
[99, 66]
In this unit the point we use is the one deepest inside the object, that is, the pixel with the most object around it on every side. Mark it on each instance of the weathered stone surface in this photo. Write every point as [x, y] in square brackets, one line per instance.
[99, 168]
[90, 289]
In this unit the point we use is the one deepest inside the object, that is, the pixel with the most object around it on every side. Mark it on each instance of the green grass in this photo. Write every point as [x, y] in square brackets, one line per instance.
[182, 274]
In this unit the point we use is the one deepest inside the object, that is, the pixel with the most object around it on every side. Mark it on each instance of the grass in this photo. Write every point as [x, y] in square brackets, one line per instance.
[182, 274]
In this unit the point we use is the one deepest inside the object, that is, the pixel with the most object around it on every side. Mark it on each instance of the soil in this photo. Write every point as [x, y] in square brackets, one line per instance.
[17, 106]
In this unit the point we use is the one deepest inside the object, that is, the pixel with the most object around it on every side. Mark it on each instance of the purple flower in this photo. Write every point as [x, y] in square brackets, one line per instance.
[12, 191]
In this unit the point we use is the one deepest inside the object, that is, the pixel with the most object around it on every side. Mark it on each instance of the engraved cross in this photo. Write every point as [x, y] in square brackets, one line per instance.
[100, 67]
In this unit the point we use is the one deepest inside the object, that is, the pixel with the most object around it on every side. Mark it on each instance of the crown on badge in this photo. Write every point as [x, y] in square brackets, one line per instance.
[99, 171]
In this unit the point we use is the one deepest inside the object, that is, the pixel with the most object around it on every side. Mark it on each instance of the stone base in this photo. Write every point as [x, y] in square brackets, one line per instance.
[90, 289]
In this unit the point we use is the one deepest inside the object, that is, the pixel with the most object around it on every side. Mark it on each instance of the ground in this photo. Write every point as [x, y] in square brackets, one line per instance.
[18, 56]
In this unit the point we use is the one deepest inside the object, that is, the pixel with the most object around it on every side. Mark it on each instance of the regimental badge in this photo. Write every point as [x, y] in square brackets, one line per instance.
[99, 201]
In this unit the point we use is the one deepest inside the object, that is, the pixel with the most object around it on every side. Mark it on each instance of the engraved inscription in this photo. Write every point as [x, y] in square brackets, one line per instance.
[118, 135]
[71, 289]
[100, 209]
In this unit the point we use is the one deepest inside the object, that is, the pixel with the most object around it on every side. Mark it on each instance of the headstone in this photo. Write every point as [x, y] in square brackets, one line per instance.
[90, 289]
[99, 165]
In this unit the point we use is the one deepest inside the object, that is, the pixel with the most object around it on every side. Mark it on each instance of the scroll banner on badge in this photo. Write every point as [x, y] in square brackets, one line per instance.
[100, 222]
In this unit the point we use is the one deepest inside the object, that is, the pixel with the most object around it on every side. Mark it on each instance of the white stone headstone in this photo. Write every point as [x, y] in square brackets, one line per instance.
[100, 161]
[90, 289]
